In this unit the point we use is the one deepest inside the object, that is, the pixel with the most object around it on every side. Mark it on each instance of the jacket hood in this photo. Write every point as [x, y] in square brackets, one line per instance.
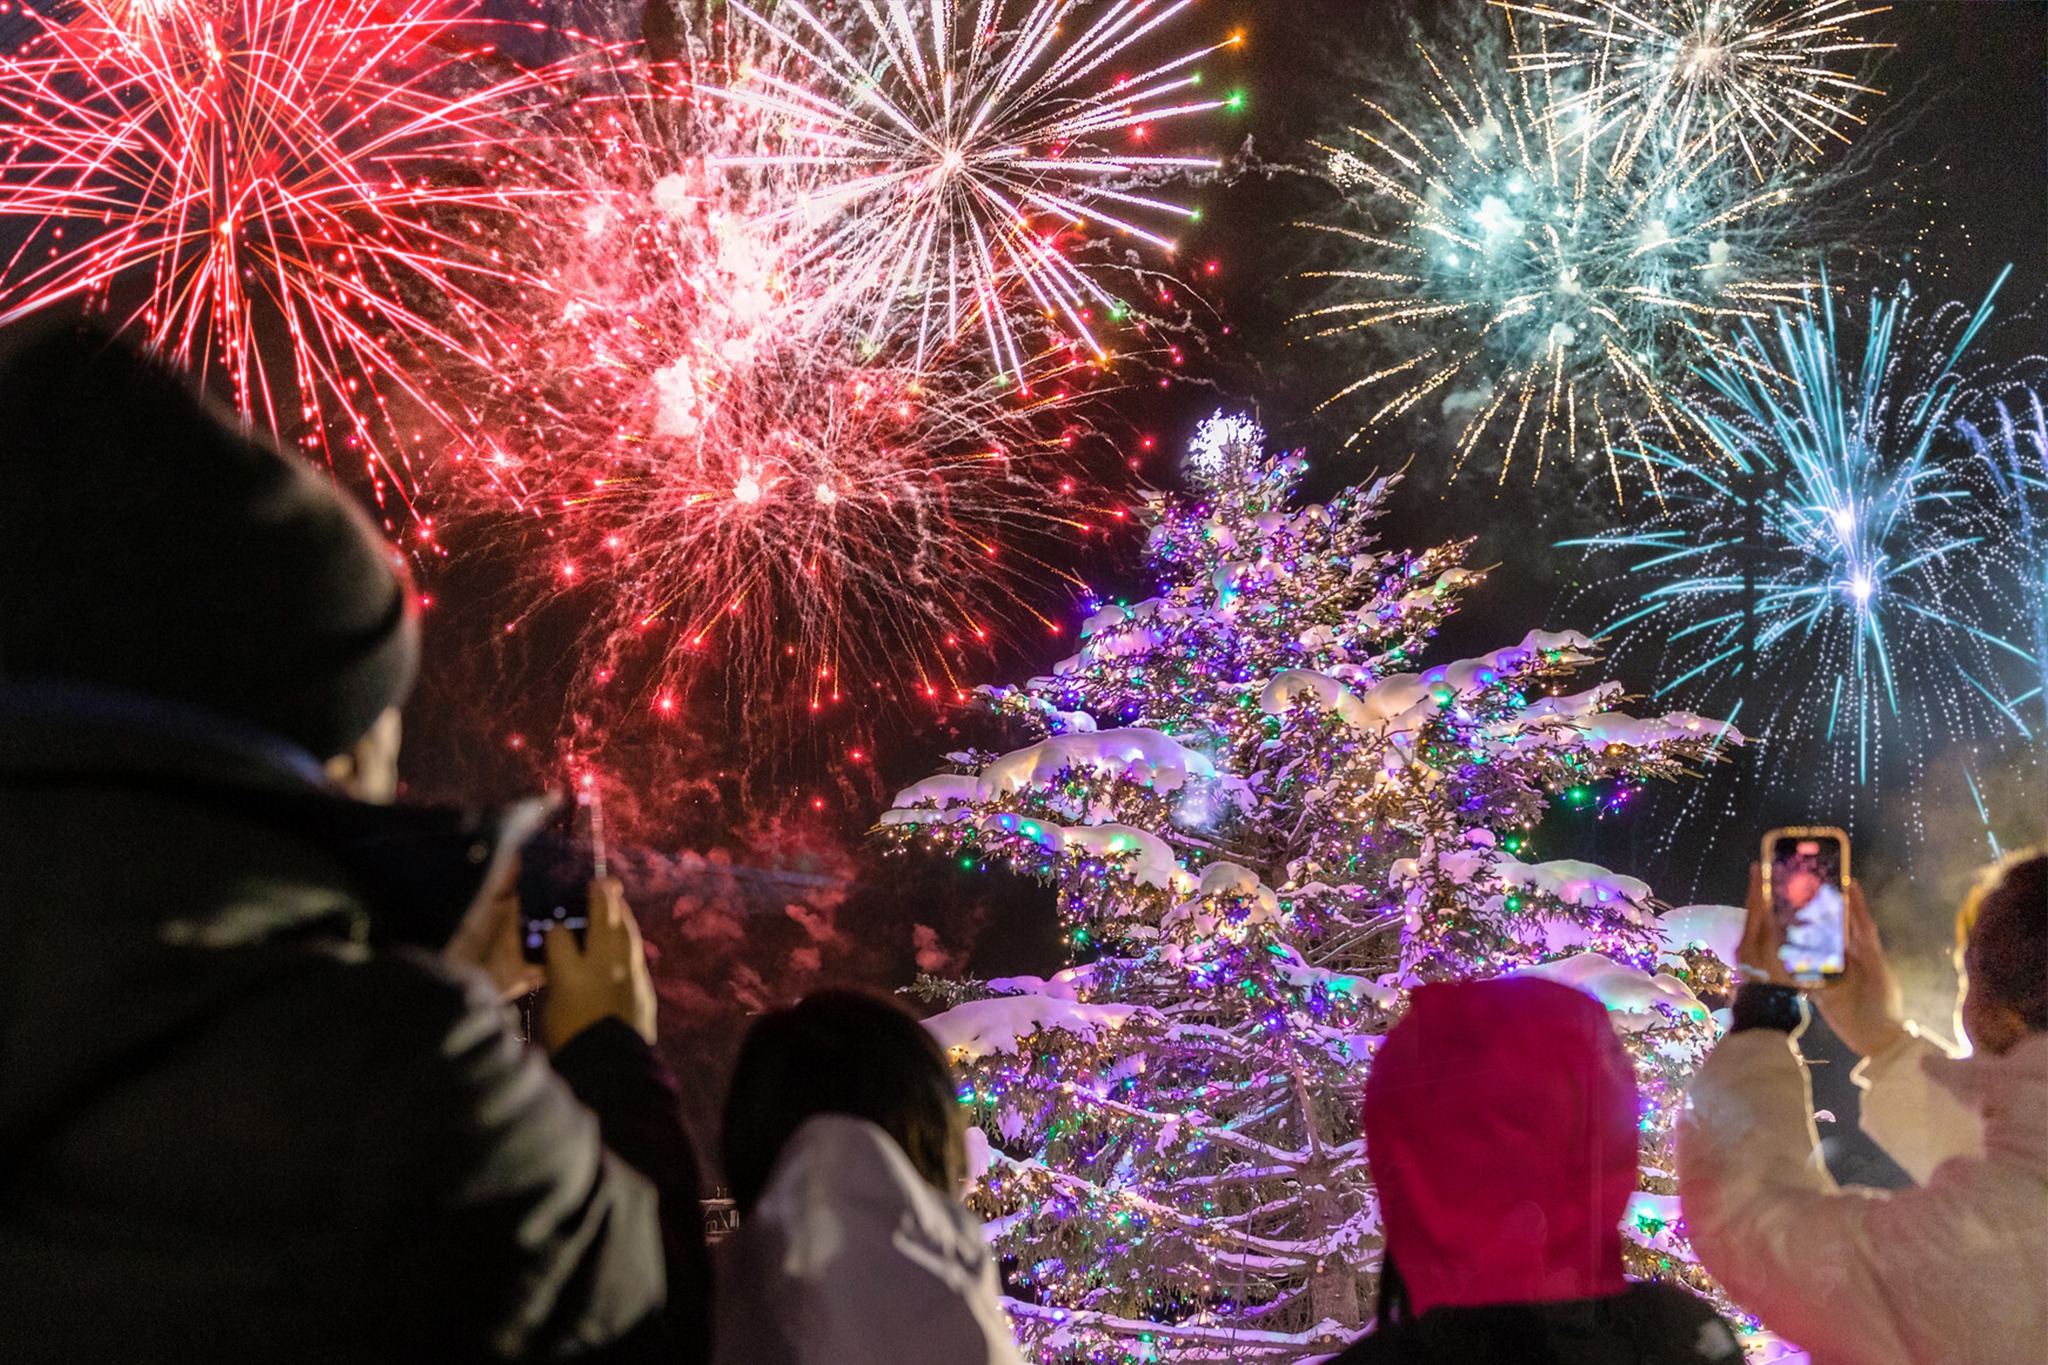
[2011, 1093]
[157, 862]
[415, 870]
[849, 1256]
[1500, 1123]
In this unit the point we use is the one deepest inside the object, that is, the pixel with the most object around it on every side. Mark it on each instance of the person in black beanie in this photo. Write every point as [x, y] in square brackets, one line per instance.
[260, 1096]
[146, 545]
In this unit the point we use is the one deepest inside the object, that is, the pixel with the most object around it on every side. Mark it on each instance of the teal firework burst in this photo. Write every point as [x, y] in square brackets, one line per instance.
[1517, 283]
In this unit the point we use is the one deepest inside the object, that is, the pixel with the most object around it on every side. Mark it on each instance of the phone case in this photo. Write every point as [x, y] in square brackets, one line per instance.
[1773, 837]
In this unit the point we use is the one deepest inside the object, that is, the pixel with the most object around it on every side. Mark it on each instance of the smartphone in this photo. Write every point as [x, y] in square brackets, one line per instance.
[1806, 875]
[556, 868]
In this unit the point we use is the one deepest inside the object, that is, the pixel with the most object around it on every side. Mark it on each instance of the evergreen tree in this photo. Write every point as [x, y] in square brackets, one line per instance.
[1265, 821]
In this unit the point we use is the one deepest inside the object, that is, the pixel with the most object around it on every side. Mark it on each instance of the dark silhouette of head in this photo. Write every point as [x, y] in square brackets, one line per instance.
[840, 1052]
[152, 544]
[2002, 932]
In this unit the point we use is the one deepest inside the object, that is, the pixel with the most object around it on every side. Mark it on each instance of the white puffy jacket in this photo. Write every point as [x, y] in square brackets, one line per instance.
[1952, 1272]
[850, 1258]
[1919, 1121]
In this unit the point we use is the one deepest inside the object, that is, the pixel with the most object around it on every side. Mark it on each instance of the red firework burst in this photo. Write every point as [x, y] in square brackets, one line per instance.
[295, 198]
[745, 497]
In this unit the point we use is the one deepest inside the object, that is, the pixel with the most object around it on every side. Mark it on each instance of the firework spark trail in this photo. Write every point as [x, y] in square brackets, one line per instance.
[1531, 287]
[1765, 76]
[2013, 449]
[236, 181]
[1845, 494]
[859, 519]
[949, 148]
[743, 499]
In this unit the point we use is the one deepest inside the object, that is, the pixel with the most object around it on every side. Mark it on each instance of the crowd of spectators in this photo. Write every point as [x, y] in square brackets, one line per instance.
[262, 1097]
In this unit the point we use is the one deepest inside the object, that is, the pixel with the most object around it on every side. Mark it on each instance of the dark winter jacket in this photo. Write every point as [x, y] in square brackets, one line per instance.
[246, 1114]
[1646, 1324]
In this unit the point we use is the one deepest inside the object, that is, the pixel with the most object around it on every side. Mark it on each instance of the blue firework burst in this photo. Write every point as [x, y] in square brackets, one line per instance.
[1840, 572]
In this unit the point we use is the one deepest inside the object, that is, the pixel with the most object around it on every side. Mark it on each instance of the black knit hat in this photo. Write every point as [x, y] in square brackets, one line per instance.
[148, 542]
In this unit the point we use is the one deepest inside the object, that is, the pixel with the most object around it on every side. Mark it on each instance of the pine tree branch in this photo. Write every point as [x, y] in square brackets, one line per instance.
[1234, 1338]
[1222, 1135]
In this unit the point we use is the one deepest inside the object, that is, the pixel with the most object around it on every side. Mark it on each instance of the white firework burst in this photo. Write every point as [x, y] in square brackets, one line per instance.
[1771, 78]
[950, 157]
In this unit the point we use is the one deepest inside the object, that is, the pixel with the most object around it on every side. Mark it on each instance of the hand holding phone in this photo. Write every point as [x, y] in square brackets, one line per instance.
[1756, 957]
[557, 867]
[603, 977]
[1864, 1006]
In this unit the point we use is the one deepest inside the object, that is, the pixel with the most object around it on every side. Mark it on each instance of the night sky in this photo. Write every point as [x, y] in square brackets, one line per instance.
[1965, 129]
[744, 850]
[1963, 133]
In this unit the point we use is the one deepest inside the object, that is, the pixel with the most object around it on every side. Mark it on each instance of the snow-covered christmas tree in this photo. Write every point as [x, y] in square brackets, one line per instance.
[1265, 818]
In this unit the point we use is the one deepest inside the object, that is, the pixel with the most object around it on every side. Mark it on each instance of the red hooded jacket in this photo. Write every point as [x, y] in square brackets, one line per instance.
[1500, 1121]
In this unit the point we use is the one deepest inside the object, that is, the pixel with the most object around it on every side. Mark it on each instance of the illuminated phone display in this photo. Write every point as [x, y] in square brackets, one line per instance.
[556, 868]
[1806, 877]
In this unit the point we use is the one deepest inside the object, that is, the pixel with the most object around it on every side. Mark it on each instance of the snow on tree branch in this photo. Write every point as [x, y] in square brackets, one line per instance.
[1264, 815]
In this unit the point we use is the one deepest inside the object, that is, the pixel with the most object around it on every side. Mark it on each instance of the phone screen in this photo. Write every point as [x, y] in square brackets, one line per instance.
[1806, 898]
[556, 868]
